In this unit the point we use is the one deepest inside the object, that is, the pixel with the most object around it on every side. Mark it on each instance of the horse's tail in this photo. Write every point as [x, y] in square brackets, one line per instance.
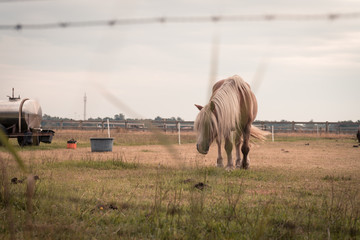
[257, 133]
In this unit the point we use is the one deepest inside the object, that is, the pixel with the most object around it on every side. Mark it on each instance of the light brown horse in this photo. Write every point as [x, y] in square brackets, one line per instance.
[232, 107]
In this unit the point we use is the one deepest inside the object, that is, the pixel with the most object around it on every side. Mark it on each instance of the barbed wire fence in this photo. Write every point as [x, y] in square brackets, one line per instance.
[194, 19]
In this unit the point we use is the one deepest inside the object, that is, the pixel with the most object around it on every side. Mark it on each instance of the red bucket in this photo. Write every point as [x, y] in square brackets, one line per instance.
[71, 144]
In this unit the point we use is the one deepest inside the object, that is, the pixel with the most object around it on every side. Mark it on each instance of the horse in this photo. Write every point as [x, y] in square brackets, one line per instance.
[358, 135]
[232, 107]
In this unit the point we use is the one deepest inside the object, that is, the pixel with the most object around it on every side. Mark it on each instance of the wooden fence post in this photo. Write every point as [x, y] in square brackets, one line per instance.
[327, 127]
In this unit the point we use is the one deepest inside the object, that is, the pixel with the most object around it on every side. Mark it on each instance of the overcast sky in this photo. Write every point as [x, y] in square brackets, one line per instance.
[310, 69]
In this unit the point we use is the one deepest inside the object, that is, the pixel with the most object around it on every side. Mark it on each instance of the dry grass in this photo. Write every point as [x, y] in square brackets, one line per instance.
[289, 151]
[297, 187]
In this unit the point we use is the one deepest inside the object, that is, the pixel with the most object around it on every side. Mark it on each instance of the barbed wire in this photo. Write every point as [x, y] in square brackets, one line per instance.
[20, 1]
[195, 19]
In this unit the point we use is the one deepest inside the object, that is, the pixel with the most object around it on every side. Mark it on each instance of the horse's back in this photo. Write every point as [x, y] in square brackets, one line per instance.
[247, 104]
[248, 100]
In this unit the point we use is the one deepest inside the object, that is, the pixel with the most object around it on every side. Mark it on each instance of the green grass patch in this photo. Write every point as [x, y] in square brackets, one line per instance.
[251, 174]
[123, 139]
[336, 178]
[164, 203]
[101, 165]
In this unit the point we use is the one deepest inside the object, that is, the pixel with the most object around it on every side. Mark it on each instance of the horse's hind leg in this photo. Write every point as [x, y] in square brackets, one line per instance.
[228, 149]
[245, 147]
[237, 147]
[219, 159]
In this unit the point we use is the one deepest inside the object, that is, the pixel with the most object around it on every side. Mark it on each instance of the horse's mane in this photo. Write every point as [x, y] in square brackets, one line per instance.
[229, 98]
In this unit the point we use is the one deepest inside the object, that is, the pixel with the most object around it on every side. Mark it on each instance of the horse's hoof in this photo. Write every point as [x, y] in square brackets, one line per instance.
[220, 165]
[229, 168]
[246, 167]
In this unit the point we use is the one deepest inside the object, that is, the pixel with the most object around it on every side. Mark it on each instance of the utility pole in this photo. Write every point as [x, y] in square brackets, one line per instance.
[85, 107]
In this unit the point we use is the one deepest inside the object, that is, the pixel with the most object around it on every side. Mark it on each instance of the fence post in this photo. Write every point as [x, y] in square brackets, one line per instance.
[178, 127]
[272, 133]
[327, 127]
[293, 126]
[108, 127]
[317, 130]
[164, 125]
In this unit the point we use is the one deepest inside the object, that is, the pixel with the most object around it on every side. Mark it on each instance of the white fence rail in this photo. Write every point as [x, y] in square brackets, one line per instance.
[171, 125]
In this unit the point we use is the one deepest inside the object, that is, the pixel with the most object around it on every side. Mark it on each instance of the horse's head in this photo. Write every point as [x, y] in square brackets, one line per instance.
[206, 127]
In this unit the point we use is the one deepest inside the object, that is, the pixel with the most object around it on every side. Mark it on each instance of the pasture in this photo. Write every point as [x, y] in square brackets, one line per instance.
[298, 187]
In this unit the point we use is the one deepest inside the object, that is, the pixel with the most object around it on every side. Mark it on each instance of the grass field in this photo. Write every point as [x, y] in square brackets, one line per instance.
[298, 187]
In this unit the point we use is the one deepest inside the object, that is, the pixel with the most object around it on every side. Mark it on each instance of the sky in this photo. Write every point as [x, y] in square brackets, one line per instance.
[300, 70]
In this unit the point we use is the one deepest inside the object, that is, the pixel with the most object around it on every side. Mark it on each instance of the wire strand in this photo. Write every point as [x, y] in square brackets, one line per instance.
[194, 19]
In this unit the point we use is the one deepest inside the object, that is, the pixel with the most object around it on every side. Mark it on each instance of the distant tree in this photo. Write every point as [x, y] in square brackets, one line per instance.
[179, 119]
[158, 118]
[348, 121]
[119, 117]
[345, 123]
[46, 117]
[95, 119]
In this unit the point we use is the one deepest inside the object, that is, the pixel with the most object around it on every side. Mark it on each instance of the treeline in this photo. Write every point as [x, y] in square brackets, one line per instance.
[121, 117]
[311, 123]
[117, 117]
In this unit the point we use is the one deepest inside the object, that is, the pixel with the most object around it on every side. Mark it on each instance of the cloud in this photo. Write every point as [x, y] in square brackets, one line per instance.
[163, 69]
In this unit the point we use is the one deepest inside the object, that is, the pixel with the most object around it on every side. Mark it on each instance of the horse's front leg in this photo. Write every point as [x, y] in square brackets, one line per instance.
[228, 149]
[219, 159]
[237, 147]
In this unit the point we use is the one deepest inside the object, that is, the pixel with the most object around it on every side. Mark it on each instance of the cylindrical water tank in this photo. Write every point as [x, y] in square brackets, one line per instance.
[24, 114]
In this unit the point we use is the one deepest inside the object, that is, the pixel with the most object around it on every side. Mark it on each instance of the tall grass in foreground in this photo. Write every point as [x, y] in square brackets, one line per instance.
[117, 199]
[5, 195]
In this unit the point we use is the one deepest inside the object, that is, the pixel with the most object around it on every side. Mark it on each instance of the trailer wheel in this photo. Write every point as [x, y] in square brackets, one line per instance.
[4, 131]
[21, 141]
[26, 140]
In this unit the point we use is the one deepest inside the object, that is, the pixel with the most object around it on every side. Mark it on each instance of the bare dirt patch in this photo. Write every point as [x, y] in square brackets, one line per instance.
[322, 155]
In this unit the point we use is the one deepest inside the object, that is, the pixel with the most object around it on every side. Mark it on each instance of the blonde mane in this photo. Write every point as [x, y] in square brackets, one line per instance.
[229, 100]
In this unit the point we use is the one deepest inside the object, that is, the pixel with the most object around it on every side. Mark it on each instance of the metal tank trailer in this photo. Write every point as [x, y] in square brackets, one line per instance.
[21, 119]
